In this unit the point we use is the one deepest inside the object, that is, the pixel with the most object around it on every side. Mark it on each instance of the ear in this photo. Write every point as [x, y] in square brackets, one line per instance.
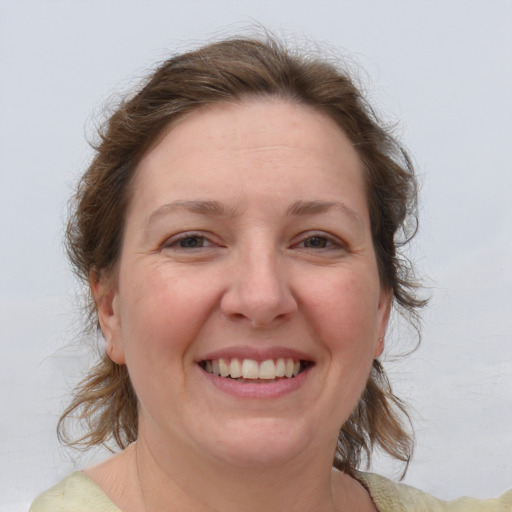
[384, 310]
[106, 297]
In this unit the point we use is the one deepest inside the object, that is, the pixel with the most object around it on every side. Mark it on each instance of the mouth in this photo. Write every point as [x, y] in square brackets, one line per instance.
[253, 371]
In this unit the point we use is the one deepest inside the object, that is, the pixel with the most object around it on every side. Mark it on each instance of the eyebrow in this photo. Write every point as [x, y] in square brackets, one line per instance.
[218, 209]
[316, 207]
[212, 208]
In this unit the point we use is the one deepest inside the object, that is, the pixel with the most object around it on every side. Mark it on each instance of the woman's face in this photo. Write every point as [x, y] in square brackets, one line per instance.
[247, 304]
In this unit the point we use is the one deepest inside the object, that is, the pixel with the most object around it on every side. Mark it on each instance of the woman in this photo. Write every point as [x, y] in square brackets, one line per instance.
[238, 229]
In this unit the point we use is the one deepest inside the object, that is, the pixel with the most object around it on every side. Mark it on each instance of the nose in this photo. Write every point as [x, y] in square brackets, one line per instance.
[259, 290]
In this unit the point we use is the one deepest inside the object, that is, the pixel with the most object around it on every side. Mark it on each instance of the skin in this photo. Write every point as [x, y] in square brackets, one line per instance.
[284, 261]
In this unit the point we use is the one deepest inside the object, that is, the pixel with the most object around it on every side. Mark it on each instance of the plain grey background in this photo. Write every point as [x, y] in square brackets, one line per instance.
[441, 69]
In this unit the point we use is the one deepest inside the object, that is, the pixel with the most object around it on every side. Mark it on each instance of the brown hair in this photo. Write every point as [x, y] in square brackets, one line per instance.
[228, 71]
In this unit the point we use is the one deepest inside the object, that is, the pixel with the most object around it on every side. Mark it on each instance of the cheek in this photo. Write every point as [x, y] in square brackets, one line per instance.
[346, 318]
[162, 312]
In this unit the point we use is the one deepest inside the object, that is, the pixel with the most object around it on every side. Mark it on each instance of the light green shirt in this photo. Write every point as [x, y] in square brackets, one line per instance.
[77, 493]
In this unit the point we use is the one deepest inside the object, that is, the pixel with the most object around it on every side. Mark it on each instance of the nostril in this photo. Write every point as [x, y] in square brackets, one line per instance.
[259, 320]
[237, 316]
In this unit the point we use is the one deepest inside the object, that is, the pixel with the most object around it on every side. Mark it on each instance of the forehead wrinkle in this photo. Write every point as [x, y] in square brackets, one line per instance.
[277, 151]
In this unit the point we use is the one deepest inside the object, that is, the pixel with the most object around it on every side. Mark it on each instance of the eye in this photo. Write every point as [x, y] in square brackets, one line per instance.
[187, 241]
[320, 244]
[191, 242]
[317, 242]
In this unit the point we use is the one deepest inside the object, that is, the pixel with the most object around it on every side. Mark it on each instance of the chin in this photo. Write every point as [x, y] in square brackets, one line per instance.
[259, 443]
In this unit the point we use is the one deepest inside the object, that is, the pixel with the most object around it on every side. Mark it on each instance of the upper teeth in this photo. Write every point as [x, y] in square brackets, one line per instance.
[252, 369]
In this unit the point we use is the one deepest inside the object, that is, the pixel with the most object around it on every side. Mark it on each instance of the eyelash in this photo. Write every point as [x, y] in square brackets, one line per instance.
[329, 242]
[173, 242]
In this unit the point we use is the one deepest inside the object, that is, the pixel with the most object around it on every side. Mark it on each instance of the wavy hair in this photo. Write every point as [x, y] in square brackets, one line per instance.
[225, 72]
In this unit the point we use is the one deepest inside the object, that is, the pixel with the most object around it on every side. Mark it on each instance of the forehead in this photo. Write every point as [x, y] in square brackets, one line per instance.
[268, 144]
[254, 122]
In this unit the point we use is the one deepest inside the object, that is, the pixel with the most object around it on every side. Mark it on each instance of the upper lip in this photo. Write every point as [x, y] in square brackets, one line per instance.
[256, 353]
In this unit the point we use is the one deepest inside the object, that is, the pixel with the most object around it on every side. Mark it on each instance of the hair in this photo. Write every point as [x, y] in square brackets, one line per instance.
[225, 72]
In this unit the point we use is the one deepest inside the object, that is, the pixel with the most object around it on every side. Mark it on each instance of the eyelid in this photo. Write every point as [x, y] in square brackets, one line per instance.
[172, 241]
[336, 241]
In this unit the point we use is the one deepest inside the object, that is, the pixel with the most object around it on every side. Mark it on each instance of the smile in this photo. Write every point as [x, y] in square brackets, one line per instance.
[244, 370]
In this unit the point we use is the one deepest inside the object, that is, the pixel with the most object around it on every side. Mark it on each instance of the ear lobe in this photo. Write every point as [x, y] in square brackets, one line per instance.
[379, 347]
[105, 295]
[384, 311]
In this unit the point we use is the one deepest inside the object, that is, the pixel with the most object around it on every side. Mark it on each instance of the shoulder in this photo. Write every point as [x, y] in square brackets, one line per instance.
[390, 496]
[76, 493]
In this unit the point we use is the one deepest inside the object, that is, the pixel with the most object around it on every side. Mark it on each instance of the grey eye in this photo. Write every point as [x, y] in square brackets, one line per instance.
[191, 242]
[316, 242]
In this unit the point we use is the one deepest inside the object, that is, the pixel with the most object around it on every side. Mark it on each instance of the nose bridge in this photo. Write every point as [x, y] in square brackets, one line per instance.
[260, 289]
[266, 279]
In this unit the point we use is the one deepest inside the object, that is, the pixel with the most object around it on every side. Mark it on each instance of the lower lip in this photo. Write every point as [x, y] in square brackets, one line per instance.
[257, 390]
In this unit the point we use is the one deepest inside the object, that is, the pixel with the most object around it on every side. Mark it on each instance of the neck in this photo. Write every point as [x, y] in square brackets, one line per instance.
[198, 484]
